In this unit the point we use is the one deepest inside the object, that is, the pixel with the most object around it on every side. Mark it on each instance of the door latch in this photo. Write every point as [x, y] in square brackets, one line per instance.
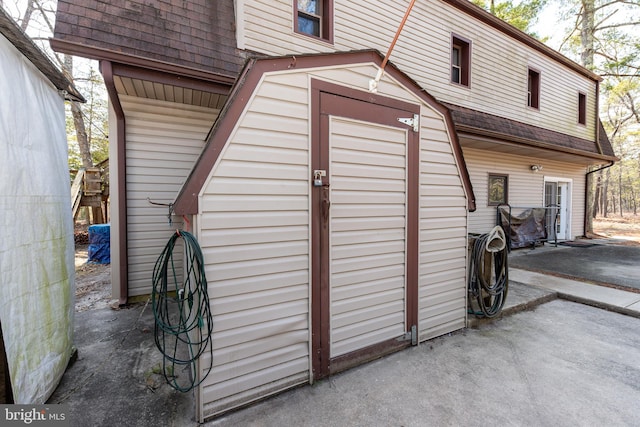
[317, 177]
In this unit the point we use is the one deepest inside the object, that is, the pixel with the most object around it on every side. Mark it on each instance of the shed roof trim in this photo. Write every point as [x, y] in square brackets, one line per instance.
[186, 202]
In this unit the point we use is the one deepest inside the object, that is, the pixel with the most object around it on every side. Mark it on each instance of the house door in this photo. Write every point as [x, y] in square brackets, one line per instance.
[556, 194]
[364, 198]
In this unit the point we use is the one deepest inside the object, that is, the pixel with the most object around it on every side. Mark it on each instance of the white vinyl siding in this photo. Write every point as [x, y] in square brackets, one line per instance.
[499, 64]
[253, 227]
[163, 141]
[443, 233]
[254, 233]
[525, 187]
[368, 217]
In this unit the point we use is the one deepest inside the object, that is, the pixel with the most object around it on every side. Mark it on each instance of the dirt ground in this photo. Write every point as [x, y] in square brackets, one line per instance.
[625, 228]
[93, 282]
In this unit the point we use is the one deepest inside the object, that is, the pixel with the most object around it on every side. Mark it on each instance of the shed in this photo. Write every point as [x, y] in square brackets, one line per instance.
[37, 247]
[333, 223]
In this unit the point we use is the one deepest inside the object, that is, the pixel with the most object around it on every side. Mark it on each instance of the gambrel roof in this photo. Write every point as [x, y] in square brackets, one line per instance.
[187, 200]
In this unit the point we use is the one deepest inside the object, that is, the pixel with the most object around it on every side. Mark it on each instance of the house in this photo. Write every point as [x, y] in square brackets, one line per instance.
[333, 218]
[37, 248]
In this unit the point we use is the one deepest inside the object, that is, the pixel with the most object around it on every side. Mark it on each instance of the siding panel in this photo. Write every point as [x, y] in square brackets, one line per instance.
[423, 53]
[443, 234]
[163, 141]
[254, 233]
[526, 188]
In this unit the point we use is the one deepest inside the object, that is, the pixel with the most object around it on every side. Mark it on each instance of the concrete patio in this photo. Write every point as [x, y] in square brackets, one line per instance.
[546, 361]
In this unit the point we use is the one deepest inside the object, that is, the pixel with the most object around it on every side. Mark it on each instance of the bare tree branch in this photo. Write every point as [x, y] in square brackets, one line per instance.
[597, 24]
[624, 24]
[45, 16]
[618, 75]
[604, 5]
[26, 18]
[576, 25]
[631, 105]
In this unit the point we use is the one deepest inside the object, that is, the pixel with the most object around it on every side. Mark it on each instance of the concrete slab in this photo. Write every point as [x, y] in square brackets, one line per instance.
[519, 297]
[582, 290]
[604, 262]
[561, 364]
[558, 363]
[115, 380]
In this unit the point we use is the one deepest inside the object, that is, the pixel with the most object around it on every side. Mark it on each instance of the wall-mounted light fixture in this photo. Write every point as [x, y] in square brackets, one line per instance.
[536, 168]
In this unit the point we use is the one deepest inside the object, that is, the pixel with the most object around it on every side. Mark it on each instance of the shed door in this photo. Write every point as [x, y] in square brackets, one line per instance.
[367, 258]
[365, 282]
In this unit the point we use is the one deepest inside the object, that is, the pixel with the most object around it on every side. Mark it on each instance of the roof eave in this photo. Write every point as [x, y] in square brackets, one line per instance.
[596, 158]
[101, 54]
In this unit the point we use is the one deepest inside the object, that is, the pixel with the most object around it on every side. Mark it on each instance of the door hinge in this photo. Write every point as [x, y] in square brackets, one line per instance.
[414, 122]
[412, 335]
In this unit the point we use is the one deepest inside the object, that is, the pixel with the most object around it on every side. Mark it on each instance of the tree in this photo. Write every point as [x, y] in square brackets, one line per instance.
[36, 20]
[523, 15]
[603, 37]
[88, 146]
[78, 120]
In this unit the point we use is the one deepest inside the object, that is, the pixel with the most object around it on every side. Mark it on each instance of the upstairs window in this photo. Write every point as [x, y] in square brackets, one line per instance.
[314, 18]
[460, 61]
[582, 108]
[533, 89]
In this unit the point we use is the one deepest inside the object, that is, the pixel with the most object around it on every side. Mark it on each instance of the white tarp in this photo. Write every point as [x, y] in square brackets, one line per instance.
[37, 248]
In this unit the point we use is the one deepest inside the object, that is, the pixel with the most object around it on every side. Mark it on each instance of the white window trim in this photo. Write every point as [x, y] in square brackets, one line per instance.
[568, 181]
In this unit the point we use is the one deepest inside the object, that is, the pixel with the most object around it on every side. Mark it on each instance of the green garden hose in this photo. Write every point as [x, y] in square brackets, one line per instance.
[183, 320]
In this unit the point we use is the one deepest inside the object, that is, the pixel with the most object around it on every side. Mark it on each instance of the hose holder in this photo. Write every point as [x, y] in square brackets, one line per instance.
[488, 273]
[496, 240]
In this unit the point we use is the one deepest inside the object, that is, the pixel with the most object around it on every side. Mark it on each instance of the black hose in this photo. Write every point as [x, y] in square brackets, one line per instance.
[487, 291]
[181, 307]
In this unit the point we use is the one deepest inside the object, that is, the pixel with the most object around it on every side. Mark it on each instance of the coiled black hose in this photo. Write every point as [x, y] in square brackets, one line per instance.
[183, 321]
[488, 289]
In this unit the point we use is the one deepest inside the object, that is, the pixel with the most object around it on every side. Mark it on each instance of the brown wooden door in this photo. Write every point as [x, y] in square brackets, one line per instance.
[365, 229]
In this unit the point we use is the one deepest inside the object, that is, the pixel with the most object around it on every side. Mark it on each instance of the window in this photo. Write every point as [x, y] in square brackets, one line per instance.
[314, 18]
[582, 108]
[533, 89]
[497, 189]
[460, 61]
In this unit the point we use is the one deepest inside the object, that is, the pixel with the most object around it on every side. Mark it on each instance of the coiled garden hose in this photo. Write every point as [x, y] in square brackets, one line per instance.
[183, 321]
[488, 274]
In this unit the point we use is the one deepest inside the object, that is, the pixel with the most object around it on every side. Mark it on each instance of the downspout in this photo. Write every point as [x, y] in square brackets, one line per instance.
[586, 195]
[599, 148]
[106, 69]
[597, 124]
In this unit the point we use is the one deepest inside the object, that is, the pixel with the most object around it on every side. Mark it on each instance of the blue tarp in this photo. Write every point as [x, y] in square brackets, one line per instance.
[100, 243]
